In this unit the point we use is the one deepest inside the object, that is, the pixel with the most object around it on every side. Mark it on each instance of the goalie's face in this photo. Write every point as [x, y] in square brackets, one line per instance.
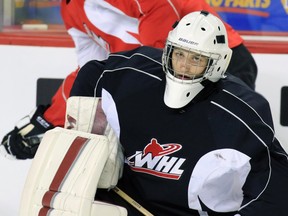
[188, 65]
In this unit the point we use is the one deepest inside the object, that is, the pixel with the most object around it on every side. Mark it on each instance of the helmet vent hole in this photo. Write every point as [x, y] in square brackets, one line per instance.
[225, 56]
[218, 69]
[187, 24]
[219, 28]
[214, 41]
[203, 29]
[188, 94]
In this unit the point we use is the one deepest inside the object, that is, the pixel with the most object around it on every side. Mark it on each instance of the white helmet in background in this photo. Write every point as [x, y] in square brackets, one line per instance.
[201, 40]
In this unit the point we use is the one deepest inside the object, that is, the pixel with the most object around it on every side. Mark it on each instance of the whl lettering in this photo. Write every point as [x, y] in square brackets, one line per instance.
[154, 160]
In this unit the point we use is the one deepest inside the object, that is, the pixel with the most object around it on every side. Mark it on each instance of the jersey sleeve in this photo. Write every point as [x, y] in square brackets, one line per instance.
[55, 113]
[88, 79]
[86, 48]
[153, 30]
[67, 18]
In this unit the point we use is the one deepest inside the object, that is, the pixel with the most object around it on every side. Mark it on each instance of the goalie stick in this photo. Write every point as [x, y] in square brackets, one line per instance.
[131, 201]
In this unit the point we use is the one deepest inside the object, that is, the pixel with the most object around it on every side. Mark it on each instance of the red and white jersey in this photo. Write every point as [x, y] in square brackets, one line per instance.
[99, 27]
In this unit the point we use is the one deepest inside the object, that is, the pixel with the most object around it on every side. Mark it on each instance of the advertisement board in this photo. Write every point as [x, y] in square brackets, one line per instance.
[264, 16]
[255, 16]
[37, 11]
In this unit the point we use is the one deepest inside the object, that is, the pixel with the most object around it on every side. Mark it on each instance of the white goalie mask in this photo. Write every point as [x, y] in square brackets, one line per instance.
[196, 50]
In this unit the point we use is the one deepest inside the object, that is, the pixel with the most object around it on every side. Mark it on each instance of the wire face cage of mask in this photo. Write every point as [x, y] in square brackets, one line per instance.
[186, 66]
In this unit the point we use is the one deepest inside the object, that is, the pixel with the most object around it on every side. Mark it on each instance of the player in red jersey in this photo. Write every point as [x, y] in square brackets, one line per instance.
[100, 27]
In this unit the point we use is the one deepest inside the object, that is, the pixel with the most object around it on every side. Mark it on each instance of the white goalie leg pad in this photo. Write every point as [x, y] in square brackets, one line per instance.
[64, 175]
[86, 114]
[80, 113]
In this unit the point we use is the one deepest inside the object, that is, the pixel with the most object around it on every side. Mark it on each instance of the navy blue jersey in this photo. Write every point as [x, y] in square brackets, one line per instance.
[216, 156]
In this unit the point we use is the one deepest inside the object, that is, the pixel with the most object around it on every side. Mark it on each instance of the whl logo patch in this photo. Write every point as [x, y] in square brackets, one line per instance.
[155, 160]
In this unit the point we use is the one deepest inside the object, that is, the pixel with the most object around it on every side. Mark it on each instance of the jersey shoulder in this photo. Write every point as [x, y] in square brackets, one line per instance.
[239, 99]
[240, 90]
[132, 71]
[144, 58]
[87, 78]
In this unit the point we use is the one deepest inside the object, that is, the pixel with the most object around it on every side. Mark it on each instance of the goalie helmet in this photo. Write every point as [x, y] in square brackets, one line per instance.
[196, 50]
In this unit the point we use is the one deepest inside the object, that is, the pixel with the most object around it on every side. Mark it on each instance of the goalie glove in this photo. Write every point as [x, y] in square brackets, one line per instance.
[23, 141]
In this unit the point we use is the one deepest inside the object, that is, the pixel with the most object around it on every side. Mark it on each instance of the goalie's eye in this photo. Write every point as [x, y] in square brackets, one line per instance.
[195, 58]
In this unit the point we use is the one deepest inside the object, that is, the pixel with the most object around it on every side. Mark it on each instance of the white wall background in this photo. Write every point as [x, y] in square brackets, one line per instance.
[21, 66]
